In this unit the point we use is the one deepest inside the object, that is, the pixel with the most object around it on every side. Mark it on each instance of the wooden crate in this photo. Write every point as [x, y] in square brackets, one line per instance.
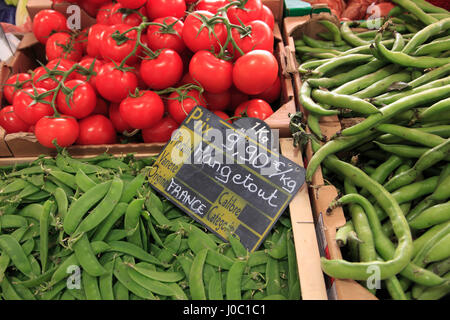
[322, 195]
[26, 145]
[312, 281]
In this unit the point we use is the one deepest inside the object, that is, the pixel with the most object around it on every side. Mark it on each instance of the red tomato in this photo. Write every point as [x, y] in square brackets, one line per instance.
[169, 37]
[44, 79]
[163, 71]
[132, 4]
[142, 111]
[29, 106]
[82, 38]
[214, 74]
[15, 83]
[166, 8]
[101, 107]
[255, 108]
[210, 5]
[60, 64]
[267, 16]
[237, 97]
[197, 37]
[217, 101]
[252, 11]
[95, 37]
[87, 63]
[95, 130]
[63, 45]
[104, 13]
[121, 15]
[223, 115]
[90, 7]
[272, 93]
[160, 132]
[114, 85]
[187, 78]
[10, 122]
[47, 21]
[259, 37]
[80, 102]
[119, 124]
[180, 106]
[97, 2]
[114, 49]
[64, 129]
[255, 72]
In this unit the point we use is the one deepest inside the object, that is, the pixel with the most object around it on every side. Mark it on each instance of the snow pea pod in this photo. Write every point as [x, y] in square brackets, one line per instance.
[79, 207]
[104, 208]
[152, 285]
[86, 257]
[43, 233]
[196, 285]
[83, 181]
[90, 286]
[102, 230]
[134, 251]
[14, 250]
[121, 273]
[234, 277]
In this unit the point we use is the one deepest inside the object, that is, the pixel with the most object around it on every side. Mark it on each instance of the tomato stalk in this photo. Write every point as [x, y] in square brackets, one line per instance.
[183, 93]
[18, 85]
[166, 28]
[238, 3]
[147, 50]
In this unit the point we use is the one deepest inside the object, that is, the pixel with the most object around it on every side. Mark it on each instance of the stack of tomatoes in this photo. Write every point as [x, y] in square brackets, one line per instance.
[142, 68]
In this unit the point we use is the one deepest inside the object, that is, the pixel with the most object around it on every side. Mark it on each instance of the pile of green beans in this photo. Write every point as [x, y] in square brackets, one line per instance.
[392, 166]
[93, 229]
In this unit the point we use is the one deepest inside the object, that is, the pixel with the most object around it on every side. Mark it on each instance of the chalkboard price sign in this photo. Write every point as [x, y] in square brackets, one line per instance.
[229, 177]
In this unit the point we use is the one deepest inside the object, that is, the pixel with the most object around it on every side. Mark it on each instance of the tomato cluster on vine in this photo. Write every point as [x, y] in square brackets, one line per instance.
[142, 67]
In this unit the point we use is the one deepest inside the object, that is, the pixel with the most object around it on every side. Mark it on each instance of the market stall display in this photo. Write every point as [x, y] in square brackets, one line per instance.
[375, 105]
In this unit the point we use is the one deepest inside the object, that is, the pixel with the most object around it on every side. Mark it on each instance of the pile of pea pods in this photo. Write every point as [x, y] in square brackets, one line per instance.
[392, 165]
[93, 229]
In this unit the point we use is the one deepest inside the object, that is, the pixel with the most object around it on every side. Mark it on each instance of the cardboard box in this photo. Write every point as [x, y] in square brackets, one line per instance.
[320, 194]
[34, 6]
